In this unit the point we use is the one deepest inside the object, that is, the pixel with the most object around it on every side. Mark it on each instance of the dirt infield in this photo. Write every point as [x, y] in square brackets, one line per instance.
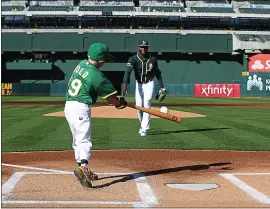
[137, 178]
[112, 112]
[45, 103]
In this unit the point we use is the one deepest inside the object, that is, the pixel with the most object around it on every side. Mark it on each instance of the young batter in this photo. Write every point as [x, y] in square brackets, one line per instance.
[87, 82]
[145, 68]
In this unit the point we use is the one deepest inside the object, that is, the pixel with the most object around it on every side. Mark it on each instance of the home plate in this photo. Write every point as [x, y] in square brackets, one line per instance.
[193, 187]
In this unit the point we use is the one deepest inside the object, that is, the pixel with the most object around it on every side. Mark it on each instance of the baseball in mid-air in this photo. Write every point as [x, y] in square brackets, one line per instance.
[164, 109]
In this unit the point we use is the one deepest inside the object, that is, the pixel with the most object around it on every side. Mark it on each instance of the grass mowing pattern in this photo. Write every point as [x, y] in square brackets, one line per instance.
[25, 129]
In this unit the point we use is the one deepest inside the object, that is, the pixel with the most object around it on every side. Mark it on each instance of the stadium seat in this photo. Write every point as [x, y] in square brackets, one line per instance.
[50, 8]
[106, 8]
[255, 10]
[212, 9]
[261, 2]
[215, 1]
[117, 1]
[162, 9]
[12, 8]
[253, 37]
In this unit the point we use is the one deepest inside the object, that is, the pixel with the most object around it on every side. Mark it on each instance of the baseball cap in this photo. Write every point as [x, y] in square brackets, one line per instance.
[143, 43]
[99, 52]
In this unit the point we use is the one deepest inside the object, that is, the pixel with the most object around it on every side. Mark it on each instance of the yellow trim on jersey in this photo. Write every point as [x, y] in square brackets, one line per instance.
[115, 92]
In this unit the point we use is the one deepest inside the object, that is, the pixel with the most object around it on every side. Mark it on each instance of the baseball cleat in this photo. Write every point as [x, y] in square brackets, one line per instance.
[140, 130]
[83, 177]
[144, 133]
[93, 176]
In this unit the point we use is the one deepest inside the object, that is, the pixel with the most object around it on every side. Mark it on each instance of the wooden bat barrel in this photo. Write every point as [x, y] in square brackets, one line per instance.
[158, 113]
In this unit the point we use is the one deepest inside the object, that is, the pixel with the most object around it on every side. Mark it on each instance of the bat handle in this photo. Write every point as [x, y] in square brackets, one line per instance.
[131, 106]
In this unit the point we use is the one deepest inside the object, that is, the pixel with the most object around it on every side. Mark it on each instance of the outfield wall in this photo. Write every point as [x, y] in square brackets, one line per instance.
[176, 68]
[253, 85]
[183, 75]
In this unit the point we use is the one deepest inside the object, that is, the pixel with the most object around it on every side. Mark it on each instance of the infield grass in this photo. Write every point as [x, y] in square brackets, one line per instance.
[26, 129]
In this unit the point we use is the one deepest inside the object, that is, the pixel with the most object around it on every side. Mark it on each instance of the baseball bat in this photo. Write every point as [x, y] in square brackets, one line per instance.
[157, 113]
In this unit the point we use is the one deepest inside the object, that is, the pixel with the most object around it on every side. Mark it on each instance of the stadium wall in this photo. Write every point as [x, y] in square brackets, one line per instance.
[118, 42]
[189, 63]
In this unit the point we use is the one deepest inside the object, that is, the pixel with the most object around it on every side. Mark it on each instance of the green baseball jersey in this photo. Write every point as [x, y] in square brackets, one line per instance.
[145, 69]
[87, 83]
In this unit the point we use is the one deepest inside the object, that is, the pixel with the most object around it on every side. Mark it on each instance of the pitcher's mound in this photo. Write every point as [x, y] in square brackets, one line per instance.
[112, 112]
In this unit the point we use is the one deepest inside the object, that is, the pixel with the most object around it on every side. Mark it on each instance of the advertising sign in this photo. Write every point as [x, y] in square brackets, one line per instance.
[6, 89]
[258, 82]
[217, 90]
[259, 63]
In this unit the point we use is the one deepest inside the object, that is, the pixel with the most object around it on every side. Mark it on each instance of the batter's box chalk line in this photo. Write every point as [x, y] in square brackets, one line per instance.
[257, 195]
[147, 195]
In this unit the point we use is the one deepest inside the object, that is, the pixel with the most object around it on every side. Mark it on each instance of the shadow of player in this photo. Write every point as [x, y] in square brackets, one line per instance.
[186, 131]
[128, 177]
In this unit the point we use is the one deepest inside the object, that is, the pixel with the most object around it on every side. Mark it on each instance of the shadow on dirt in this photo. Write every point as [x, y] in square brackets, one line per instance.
[185, 131]
[128, 177]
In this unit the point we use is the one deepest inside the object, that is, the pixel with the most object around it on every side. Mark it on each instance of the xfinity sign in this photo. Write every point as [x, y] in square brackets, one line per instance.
[217, 90]
[210, 90]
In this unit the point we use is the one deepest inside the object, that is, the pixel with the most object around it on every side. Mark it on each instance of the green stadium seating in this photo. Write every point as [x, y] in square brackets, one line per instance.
[215, 1]
[117, 0]
[50, 8]
[49, 0]
[254, 10]
[212, 9]
[106, 8]
[252, 37]
[261, 2]
[12, 8]
[162, 9]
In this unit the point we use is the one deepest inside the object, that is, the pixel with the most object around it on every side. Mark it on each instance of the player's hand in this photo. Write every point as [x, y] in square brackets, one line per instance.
[122, 103]
[162, 93]
[123, 89]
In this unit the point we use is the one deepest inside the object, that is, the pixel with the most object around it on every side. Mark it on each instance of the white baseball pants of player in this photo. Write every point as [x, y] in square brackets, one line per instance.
[78, 116]
[143, 96]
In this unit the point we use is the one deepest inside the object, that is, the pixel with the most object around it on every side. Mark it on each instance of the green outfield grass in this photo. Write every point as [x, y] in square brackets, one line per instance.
[131, 99]
[25, 129]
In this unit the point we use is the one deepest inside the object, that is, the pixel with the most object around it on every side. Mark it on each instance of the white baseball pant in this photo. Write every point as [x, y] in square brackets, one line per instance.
[78, 116]
[143, 96]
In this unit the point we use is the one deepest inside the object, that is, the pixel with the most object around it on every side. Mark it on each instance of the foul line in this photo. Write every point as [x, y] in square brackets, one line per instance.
[55, 171]
[245, 187]
[249, 174]
[69, 202]
[37, 169]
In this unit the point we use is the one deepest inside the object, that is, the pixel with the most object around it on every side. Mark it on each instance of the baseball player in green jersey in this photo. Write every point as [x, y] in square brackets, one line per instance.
[145, 69]
[87, 82]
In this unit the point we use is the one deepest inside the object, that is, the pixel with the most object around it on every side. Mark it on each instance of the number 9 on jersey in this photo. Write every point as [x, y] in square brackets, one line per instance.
[74, 87]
